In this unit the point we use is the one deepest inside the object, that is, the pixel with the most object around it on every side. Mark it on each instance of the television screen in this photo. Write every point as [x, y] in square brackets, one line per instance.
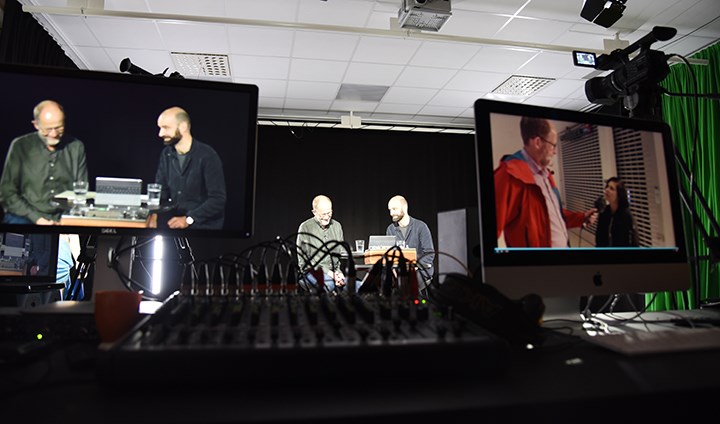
[576, 204]
[111, 153]
[28, 258]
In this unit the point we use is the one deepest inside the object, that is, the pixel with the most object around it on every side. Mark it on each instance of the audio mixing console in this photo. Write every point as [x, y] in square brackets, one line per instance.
[300, 335]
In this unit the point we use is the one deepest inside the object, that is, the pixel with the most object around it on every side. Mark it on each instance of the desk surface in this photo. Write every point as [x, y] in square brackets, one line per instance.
[83, 221]
[562, 380]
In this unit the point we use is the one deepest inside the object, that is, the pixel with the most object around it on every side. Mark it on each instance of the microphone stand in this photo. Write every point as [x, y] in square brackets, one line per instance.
[79, 273]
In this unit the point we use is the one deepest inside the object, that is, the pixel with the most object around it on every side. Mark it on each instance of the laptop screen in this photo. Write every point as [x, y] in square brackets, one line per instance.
[381, 242]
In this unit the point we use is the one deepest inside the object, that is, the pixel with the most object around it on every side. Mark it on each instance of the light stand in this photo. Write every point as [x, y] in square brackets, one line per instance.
[636, 82]
[651, 109]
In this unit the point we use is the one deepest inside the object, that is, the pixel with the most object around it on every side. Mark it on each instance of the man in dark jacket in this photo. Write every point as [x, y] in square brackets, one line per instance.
[414, 233]
[191, 174]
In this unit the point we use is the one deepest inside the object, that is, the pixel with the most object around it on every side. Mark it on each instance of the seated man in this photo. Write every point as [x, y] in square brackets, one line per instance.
[315, 235]
[413, 233]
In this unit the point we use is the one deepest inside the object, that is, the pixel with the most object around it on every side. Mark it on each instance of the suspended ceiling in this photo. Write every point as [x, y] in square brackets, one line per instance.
[321, 60]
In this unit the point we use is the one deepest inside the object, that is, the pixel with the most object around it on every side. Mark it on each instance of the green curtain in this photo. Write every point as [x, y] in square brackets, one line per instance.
[695, 125]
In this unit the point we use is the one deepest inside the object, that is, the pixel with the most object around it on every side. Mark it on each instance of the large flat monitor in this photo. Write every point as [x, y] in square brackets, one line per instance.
[117, 118]
[542, 170]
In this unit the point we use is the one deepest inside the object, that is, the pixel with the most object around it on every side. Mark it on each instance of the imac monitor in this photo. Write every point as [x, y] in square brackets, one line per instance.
[516, 233]
[116, 117]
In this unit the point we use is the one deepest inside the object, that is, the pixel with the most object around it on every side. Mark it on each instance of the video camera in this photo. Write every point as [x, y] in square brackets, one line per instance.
[648, 67]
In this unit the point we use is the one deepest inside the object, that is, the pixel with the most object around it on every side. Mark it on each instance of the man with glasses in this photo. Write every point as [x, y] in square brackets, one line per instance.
[316, 248]
[39, 166]
[528, 205]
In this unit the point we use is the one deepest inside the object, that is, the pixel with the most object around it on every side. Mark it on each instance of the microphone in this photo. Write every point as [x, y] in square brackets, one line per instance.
[600, 204]
[126, 65]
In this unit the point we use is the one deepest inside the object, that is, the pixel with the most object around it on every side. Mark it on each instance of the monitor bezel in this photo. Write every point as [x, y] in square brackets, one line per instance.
[245, 230]
[608, 271]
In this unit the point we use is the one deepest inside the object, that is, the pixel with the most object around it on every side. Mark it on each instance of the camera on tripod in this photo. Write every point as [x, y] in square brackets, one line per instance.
[629, 75]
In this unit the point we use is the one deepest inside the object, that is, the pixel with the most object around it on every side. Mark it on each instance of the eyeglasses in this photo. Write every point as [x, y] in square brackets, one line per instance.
[47, 131]
[328, 213]
[548, 141]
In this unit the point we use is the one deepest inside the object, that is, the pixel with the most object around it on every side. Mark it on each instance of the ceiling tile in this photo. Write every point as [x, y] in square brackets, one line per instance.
[265, 41]
[352, 13]
[420, 76]
[381, 16]
[97, 58]
[553, 10]
[475, 81]
[561, 88]
[259, 67]
[573, 104]
[275, 10]
[312, 90]
[394, 51]
[194, 38]
[125, 33]
[193, 8]
[368, 73]
[385, 107]
[455, 98]
[543, 32]
[355, 106]
[499, 59]
[302, 104]
[583, 37]
[688, 45]
[271, 102]
[409, 95]
[317, 45]
[266, 88]
[702, 12]
[317, 70]
[74, 31]
[128, 5]
[445, 55]
[543, 101]
[442, 111]
[548, 64]
[505, 6]
[473, 24]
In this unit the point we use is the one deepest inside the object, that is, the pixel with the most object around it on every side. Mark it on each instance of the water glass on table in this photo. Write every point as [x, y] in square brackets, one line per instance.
[80, 189]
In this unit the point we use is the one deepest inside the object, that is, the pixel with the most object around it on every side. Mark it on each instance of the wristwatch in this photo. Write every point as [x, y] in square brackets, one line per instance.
[189, 220]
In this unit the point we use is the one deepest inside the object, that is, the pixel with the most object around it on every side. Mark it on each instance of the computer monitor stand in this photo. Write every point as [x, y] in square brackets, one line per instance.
[562, 308]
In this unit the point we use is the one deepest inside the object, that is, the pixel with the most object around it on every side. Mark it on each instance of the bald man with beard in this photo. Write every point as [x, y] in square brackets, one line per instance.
[191, 174]
[415, 234]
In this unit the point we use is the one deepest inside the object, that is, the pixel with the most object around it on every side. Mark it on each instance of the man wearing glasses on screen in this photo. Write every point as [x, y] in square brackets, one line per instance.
[39, 166]
[528, 205]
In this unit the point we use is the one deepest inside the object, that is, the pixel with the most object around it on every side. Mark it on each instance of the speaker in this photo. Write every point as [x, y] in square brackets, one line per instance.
[459, 236]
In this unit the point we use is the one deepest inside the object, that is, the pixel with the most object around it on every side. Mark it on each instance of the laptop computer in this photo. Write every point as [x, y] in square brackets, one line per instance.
[118, 191]
[381, 242]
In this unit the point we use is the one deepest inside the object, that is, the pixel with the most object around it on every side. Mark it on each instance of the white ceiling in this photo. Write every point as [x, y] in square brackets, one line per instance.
[300, 52]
